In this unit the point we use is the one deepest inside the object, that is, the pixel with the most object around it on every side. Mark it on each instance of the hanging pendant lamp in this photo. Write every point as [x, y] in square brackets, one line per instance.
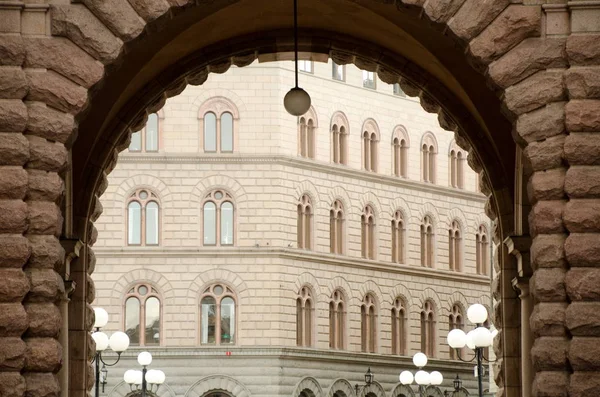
[296, 101]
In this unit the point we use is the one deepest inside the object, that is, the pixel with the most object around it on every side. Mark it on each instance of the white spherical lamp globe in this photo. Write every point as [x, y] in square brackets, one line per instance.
[470, 341]
[100, 317]
[457, 338]
[138, 378]
[477, 313]
[130, 376]
[160, 377]
[101, 340]
[436, 378]
[482, 337]
[296, 101]
[144, 358]
[151, 376]
[422, 378]
[406, 377]
[119, 341]
[420, 360]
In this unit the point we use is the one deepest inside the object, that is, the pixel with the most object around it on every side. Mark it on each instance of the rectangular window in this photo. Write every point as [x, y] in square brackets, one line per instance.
[152, 133]
[136, 142]
[305, 66]
[398, 91]
[368, 79]
[338, 72]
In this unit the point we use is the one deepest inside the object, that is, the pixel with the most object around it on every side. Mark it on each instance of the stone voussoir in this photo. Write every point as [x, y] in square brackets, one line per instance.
[49, 123]
[583, 249]
[474, 16]
[536, 91]
[150, 9]
[583, 82]
[543, 123]
[56, 91]
[46, 155]
[118, 16]
[583, 50]
[442, 10]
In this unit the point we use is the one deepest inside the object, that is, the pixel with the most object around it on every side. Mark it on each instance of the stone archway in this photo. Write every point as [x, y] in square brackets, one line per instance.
[62, 123]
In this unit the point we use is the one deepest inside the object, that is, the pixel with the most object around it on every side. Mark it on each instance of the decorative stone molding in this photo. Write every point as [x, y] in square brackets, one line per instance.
[308, 386]
[215, 383]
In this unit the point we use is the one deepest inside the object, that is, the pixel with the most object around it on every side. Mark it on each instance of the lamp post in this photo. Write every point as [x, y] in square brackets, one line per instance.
[139, 380]
[369, 376]
[118, 342]
[477, 339]
[457, 383]
[422, 378]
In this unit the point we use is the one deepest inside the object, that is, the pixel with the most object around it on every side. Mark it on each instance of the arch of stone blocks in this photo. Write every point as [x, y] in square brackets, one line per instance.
[403, 391]
[310, 386]
[500, 67]
[342, 388]
[218, 383]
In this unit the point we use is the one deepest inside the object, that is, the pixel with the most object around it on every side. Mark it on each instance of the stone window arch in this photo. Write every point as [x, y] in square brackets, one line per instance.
[455, 321]
[400, 145]
[368, 312]
[482, 249]
[304, 317]
[429, 151]
[218, 215]
[427, 242]
[307, 126]
[143, 218]
[143, 311]
[219, 124]
[456, 158]
[428, 328]
[455, 246]
[218, 315]
[398, 237]
[399, 332]
[336, 228]
[305, 218]
[368, 232]
[337, 320]
[148, 138]
[339, 136]
[370, 138]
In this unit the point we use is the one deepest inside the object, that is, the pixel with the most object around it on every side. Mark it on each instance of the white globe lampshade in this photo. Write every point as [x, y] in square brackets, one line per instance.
[144, 358]
[160, 377]
[130, 376]
[101, 340]
[422, 378]
[151, 376]
[406, 377]
[100, 317]
[482, 337]
[296, 101]
[138, 378]
[436, 378]
[420, 360]
[457, 339]
[477, 313]
[119, 341]
[470, 341]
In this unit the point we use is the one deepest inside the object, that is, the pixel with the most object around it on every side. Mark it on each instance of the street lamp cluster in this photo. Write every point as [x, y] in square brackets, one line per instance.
[422, 378]
[145, 379]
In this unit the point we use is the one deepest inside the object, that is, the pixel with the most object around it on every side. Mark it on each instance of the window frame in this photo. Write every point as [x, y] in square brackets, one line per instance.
[337, 223]
[143, 135]
[337, 320]
[305, 222]
[364, 80]
[399, 327]
[334, 71]
[368, 233]
[398, 225]
[210, 197]
[228, 292]
[143, 202]
[428, 329]
[142, 299]
[339, 135]
[369, 326]
[303, 62]
[305, 320]
[218, 105]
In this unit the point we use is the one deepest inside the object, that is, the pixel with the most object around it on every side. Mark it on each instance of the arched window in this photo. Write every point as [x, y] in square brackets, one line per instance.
[218, 219]
[428, 161]
[336, 228]
[427, 248]
[368, 324]
[482, 250]
[337, 320]
[370, 137]
[143, 309]
[304, 313]
[398, 231]
[307, 125]
[428, 329]
[368, 232]
[304, 230]
[339, 134]
[399, 327]
[147, 139]
[455, 246]
[455, 322]
[218, 119]
[457, 159]
[143, 212]
[217, 316]
[400, 152]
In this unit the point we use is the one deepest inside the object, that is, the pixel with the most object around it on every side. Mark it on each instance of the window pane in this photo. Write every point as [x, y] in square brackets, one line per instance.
[152, 133]
[132, 320]
[227, 321]
[152, 321]
[210, 132]
[368, 79]
[227, 223]
[338, 71]
[152, 223]
[136, 142]
[398, 90]
[210, 224]
[208, 312]
[227, 132]
[305, 66]
[134, 235]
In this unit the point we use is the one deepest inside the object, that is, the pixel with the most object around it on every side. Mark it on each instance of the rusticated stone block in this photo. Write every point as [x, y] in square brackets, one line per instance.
[56, 91]
[14, 149]
[583, 318]
[546, 154]
[583, 50]
[543, 123]
[549, 353]
[44, 320]
[582, 284]
[548, 285]
[548, 319]
[582, 148]
[46, 155]
[44, 186]
[13, 117]
[42, 384]
[474, 16]
[13, 319]
[583, 115]
[118, 16]
[13, 182]
[44, 218]
[12, 384]
[150, 10]
[585, 384]
[12, 354]
[529, 57]
[534, 92]
[46, 252]
[12, 52]
[13, 84]
[46, 285]
[14, 250]
[546, 217]
[551, 384]
[583, 181]
[91, 260]
[548, 185]
[583, 82]
[43, 355]
[581, 216]
[90, 291]
[13, 216]
[442, 10]
[547, 251]
[584, 353]
[512, 26]
[48, 123]
[583, 249]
